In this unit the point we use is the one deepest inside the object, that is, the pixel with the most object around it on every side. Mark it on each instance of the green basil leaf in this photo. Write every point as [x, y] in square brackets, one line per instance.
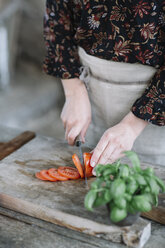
[124, 171]
[117, 188]
[155, 197]
[153, 185]
[152, 198]
[141, 203]
[117, 165]
[99, 201]
[140, 179]
[134, 159]
[117, 214]
[149, 171]
[120, 202]
[99, 169]
[131, 187]
[108, 184]
[89, 199]
[107, 195]
[97, 183]
[131, 209]
[146, 189]
[127, 196]
[160, 183]
[109, 171]
[107, 178]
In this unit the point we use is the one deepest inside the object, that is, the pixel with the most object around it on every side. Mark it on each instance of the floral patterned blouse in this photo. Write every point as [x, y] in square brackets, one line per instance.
[130, 31]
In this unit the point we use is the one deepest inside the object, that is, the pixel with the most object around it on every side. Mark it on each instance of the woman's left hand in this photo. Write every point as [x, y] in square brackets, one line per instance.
[117, 139]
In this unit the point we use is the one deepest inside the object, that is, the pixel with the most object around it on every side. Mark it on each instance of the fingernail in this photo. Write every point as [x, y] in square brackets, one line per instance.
[93, 164]
[93, 172]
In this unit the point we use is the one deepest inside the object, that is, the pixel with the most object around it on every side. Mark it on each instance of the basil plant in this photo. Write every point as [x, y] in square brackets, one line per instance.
[126, 189]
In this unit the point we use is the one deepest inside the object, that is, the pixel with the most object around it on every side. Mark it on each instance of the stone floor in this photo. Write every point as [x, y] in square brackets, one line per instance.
[33, 101]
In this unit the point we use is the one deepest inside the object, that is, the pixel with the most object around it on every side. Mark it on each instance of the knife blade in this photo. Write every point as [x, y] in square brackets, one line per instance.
[79, 145]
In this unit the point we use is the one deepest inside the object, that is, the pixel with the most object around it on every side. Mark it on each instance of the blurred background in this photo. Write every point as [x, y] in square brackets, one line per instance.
[29, 99]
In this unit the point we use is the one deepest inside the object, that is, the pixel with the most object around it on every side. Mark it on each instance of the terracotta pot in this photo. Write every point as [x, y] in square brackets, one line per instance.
[128, 221]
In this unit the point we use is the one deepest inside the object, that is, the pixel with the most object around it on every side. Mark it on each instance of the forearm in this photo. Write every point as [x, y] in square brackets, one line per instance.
[73, 86]
[135, 123]
[76, 113]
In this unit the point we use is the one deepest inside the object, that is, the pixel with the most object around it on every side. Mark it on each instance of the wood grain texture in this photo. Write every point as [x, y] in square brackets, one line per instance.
[63, 231]
[61, 203]
[133, 236]
[17, 234]
[157, 213]
[7, 148]
[156, 240]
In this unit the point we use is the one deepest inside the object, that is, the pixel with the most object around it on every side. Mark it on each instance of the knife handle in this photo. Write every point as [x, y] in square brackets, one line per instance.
[78, 141]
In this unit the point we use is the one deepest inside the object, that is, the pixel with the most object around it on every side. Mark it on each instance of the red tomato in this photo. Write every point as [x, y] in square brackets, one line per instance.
[69, 172]
[78, 165]
[88, 169]
[54, 173]
[44, 174]
[38, 175]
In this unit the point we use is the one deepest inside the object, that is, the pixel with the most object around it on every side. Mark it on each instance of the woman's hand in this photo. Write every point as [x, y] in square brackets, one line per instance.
[117, 139]
[76, 113]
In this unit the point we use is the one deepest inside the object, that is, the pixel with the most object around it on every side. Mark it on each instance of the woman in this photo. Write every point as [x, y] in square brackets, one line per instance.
[117, 48]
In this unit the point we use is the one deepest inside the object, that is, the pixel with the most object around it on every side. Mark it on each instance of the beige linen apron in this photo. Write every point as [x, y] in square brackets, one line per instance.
[113, 87]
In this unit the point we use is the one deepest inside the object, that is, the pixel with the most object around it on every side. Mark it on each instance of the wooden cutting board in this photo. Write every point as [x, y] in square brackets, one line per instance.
[60, 203]
[157, 213]
[9, 147]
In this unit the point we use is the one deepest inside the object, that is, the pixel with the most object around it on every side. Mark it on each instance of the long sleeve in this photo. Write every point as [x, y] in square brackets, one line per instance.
[151, 105]
[62, 57]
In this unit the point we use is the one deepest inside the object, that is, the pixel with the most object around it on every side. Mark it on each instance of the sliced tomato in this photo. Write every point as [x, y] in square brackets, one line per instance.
[38, 175]
[69, 172]
[88, 169]
[44, 174]
[53, 172]
[78, 165]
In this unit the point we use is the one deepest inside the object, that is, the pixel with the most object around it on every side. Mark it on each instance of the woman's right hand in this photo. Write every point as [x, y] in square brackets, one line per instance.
[76, 113]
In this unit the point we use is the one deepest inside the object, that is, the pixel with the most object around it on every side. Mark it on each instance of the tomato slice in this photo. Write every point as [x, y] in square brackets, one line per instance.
[44, 174]
[69, 172]
[88, 169]
[38, 175]
[54, 173]
[78, 165]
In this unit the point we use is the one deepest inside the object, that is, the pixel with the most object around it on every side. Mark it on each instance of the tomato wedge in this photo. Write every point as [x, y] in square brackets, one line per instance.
[54, 173]
[44, 174]
[88, 169]
[78, 165]
[69, 172]
[38, 175]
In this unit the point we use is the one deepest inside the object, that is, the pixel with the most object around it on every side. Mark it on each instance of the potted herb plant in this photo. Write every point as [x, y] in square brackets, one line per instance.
[125, 190]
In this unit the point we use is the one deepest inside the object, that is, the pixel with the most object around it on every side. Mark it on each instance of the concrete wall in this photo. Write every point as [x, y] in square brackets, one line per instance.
[31, 43]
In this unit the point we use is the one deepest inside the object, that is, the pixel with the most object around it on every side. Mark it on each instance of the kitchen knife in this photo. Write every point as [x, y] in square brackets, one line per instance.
[79, 145]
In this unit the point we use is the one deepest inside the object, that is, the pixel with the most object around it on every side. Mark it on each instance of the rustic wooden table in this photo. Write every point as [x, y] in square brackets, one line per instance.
[19, 230]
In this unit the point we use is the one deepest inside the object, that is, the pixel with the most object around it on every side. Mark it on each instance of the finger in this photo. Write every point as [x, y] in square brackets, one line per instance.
[67, 130]
[117, 154]
[83, 132]
[107, 153]
[63, 120]
[64, 124]
[72, 135]
[98, 150]
[82, 135]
